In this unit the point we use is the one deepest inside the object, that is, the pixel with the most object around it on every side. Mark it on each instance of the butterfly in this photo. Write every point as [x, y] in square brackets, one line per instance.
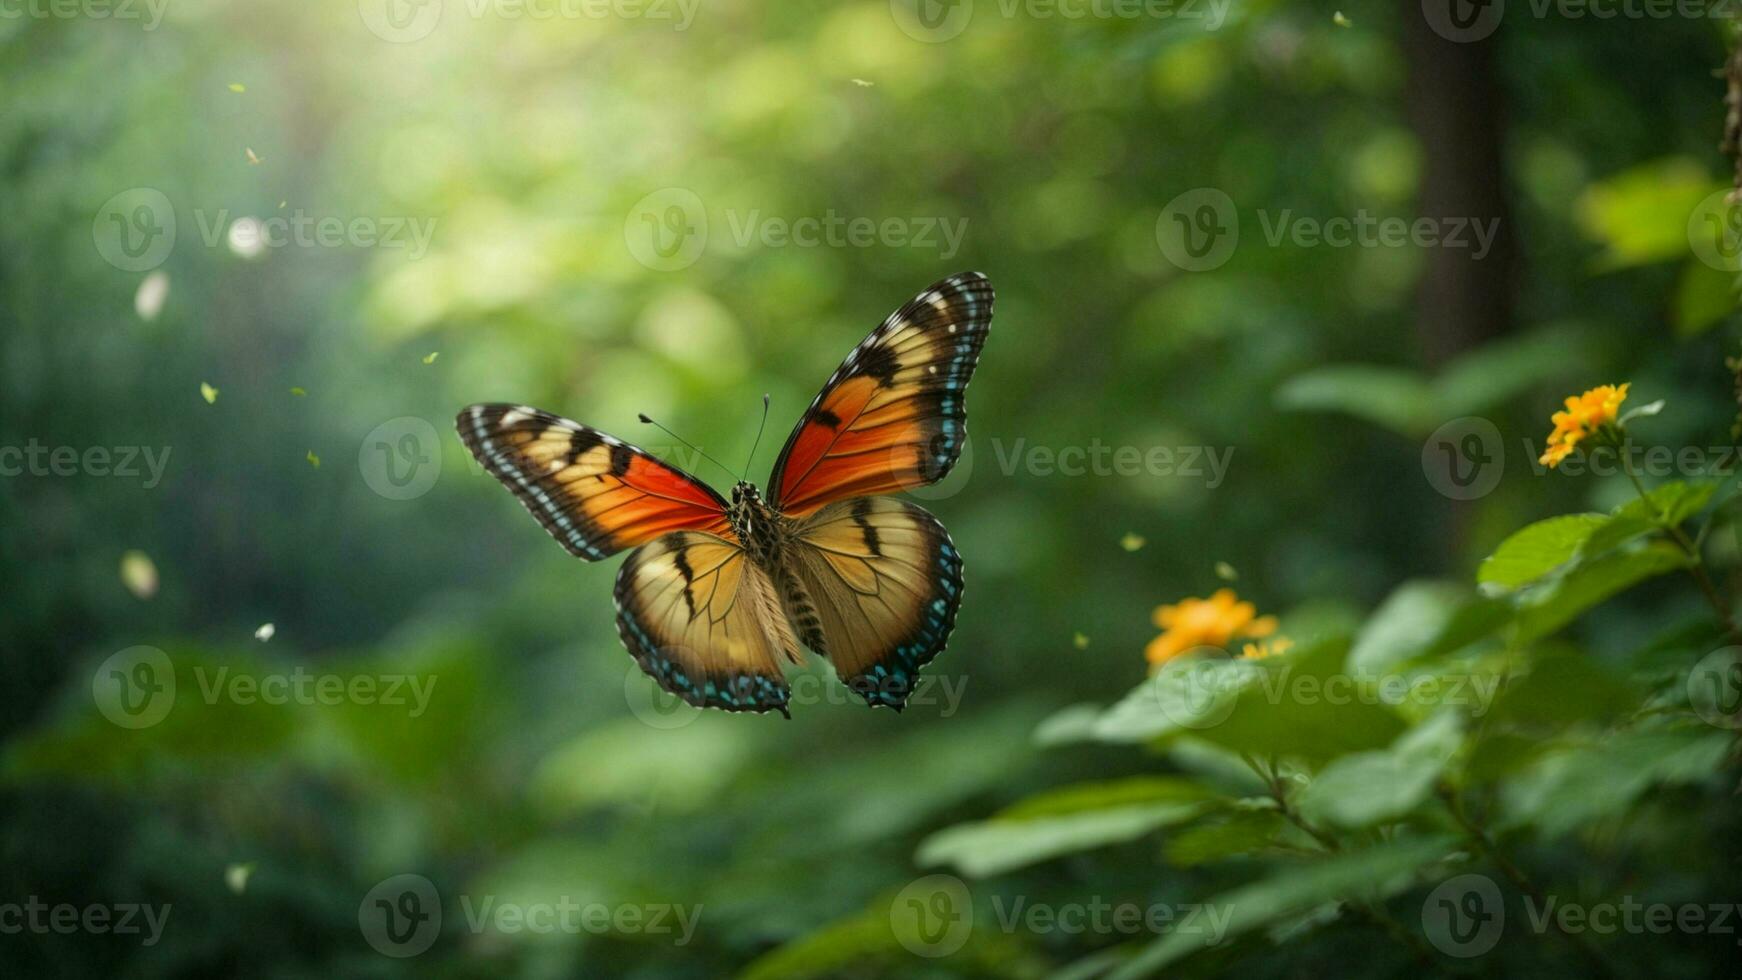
[718, 596]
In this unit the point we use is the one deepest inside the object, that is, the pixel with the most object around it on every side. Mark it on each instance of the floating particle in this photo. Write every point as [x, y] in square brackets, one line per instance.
[138, 574]
[236, 877]
[1131, 541]
[149, 298]
[209, 393]
[265, 632]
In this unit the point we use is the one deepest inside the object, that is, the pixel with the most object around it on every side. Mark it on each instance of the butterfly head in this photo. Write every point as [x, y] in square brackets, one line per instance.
[744, 492]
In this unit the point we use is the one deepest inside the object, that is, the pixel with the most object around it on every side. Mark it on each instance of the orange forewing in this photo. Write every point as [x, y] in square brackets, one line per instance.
[595, 494]
[892, 417]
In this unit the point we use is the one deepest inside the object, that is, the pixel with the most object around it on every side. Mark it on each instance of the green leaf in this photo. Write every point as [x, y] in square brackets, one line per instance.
[1401, 401]
[995, 846]
[1553, 605]
[1496, 371]
[1567, 788]
[1536, 550]
[1106, 795]
[1641, 215]
[1672, 503]
[1373, 787]
[1237, 833]
[1307, 706]
[1565, 688]
[1369, 875]
[1704, 296]
[1411, 620]
[1068, 725]
[1184, 696]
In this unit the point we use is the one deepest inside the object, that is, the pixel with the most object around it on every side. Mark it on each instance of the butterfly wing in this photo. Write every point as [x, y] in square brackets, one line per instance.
[705, 623]
[595, 494]
[884, 582]
[892, 416]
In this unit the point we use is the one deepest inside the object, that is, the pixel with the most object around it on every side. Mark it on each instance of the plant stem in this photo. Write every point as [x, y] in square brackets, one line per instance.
[1485, 845]
[1367, 910]
[1696, 566]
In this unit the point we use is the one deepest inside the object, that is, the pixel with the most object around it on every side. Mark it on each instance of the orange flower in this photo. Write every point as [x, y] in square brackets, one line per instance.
[1584, 415]
[1215, 622]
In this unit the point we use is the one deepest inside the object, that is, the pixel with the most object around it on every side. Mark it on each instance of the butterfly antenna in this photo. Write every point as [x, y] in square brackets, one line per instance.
[758, 441]
[693, 447]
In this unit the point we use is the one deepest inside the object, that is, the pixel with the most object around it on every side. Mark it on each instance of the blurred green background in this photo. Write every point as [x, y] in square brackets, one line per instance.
[540, 154]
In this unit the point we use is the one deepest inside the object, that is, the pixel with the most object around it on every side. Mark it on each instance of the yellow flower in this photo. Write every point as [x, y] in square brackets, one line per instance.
[1216, 622]
[1584, 415]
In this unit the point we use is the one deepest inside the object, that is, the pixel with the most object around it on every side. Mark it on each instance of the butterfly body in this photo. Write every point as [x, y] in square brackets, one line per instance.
[719, 594]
